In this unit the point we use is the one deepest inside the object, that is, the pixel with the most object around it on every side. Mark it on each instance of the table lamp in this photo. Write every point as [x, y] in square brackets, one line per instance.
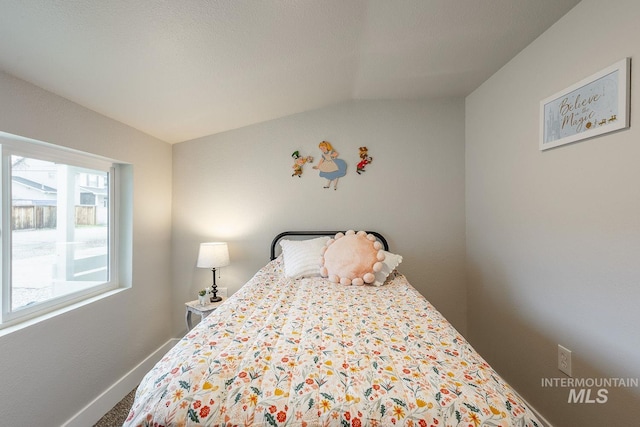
[213, 255]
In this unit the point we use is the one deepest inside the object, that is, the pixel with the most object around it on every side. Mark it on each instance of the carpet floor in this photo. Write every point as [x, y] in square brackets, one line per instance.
[118, 414]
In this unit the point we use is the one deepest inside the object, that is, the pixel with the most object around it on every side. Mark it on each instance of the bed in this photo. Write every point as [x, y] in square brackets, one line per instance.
[305, 351]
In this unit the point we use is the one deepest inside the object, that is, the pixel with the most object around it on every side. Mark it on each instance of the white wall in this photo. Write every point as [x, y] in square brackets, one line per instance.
[553, 238]
[237, 186]
[51, 370]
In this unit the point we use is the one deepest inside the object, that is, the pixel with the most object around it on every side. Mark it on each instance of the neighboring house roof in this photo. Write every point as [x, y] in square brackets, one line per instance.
[98, 191]
[95, 190]
[34, 185]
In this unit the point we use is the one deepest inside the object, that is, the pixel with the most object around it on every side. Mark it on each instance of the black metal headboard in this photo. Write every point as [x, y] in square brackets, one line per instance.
[276, 239]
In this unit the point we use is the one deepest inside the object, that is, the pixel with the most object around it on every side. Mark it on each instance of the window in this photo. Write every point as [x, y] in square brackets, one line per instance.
[60, 222]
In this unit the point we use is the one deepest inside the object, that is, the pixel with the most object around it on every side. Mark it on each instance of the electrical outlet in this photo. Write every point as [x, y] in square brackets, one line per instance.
[222, 292]
[564, 359]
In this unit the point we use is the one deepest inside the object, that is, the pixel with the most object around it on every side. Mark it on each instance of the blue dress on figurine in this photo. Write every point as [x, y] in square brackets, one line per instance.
[331, 168]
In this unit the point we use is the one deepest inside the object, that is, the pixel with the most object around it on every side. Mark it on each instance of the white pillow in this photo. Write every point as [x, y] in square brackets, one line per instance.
[390, 263]
[302, 257]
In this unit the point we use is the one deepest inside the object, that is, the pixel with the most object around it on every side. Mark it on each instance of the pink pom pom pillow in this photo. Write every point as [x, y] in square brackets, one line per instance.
[352, 258]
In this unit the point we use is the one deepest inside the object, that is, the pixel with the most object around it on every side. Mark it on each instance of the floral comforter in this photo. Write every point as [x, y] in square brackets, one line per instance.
[312, 353]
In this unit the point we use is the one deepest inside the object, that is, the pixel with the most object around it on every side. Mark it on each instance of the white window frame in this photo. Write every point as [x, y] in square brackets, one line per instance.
[117, 172]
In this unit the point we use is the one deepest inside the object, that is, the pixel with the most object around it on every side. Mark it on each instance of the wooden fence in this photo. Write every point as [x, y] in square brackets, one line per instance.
[30, 217]
[85, 215]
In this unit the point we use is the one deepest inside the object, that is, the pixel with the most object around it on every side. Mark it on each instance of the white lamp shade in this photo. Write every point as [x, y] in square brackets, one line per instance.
[213, 255]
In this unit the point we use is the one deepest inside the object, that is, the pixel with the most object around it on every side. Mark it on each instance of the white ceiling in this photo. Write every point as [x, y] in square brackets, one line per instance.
[182, 69]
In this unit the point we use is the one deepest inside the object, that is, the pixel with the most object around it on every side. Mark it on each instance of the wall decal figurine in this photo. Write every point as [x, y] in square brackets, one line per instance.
[330, 166]
[298, 162]
[365, 159]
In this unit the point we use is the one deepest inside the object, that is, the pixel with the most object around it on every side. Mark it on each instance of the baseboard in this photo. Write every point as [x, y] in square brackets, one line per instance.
[538, 415]
[543, 420]
[91, 413]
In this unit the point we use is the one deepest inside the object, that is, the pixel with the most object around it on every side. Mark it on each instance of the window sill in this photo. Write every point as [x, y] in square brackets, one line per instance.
[17, 325]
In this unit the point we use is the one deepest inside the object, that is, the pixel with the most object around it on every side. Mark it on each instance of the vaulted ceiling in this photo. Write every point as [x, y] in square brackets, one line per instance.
[182, 69]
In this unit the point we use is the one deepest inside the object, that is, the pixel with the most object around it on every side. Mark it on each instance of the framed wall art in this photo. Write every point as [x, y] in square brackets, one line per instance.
[596, 105]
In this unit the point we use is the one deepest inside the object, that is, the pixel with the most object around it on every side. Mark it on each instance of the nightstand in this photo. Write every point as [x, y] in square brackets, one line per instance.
[201, 310]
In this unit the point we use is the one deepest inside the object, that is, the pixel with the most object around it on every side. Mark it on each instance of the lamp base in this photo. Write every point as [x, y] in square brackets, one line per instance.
[214, 288]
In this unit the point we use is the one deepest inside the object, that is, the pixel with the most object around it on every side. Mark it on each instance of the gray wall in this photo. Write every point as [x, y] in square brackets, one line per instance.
[553, 238]
[237, 187]
[52, 370]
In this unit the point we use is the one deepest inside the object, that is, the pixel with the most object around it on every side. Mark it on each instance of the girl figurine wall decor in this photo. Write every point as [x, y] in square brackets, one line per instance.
[330, 166]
